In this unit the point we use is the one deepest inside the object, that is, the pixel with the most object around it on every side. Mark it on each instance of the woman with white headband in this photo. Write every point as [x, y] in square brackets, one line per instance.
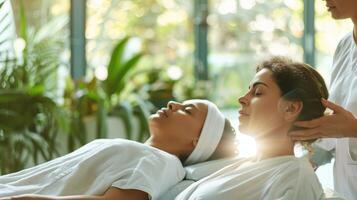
[191, 132]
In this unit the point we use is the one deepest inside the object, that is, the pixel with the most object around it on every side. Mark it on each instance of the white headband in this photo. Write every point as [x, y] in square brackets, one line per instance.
[210, 135]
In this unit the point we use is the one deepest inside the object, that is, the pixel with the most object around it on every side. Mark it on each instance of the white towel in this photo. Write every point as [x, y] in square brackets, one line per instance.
[210, 135]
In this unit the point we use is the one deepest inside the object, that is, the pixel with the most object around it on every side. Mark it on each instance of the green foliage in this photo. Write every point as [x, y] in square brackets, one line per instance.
[160, 87]
[30, 119]
[113, 97]
[28, 129]
[118, 68]
[121, 99]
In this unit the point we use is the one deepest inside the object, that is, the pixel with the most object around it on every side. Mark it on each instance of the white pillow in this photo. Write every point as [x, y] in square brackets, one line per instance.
[176, 190]
[197, 171]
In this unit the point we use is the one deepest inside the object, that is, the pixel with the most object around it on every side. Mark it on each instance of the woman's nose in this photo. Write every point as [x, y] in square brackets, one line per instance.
[243, 100]
[173, 105]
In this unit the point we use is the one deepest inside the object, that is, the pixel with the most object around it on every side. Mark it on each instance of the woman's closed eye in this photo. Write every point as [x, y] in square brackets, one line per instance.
[187, 110]
[257, 92]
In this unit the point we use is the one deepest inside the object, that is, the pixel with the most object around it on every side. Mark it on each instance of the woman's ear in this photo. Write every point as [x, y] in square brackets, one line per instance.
[293, 110]
[290, 109]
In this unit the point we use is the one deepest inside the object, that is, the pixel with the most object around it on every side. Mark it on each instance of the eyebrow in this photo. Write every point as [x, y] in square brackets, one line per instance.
[190, 105]
[258, 83]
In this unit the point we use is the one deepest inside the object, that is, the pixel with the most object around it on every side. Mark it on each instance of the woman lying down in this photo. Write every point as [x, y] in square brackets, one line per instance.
[120, 169]
[280, 93]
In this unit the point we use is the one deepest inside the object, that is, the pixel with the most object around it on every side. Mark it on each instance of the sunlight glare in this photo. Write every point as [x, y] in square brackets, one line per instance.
[227, 7]
[246, 145]
[101, 73]
[247, 4]
[174, 72]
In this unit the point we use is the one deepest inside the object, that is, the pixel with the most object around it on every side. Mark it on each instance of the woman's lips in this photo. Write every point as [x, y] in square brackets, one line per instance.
[242, 113]
[330, 7]
[162, 112]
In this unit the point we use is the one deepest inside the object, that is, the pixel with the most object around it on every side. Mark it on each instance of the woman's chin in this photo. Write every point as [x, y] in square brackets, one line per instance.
[243, 129]
[155, 117]
[154, 120]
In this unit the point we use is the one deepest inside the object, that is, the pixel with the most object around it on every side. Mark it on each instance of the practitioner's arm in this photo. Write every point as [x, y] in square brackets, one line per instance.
[111, 194]
[341, 123]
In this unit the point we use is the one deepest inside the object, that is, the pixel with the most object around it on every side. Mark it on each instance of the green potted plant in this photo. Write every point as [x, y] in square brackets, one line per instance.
[123, 100]
[116, 97]
[29, 116]
[160, 88]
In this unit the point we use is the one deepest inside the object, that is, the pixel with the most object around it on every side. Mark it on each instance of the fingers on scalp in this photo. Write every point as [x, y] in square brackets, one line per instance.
[332, 105]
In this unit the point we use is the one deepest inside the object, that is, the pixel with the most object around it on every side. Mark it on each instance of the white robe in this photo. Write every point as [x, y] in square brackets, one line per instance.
[95, 167]
[285, 177]
[343, 92]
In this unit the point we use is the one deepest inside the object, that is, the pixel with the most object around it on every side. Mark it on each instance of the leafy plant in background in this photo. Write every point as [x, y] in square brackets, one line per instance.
[29, 117]
[7, 33]
[189, 88]
[160, 88]
[125, 101]
[116, 96]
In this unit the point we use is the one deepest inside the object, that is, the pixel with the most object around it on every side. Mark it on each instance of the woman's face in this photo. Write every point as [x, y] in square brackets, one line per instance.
[179, 123]
[342, 9]
[260, 113]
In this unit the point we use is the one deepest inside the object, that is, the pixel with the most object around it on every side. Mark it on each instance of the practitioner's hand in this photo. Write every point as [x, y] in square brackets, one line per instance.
[340, 123]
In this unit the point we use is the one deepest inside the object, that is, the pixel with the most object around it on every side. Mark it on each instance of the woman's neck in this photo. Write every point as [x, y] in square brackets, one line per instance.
[274, 145]
[154, 142]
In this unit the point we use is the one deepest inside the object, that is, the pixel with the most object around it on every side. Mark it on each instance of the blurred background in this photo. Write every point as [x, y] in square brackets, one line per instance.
[75, 70]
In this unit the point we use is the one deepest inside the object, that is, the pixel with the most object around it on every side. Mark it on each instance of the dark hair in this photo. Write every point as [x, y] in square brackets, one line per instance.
[298, 82]
[226, 146]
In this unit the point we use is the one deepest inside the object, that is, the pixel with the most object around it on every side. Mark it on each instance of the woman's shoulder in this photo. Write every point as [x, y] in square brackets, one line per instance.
[345, 42]
[299, 177]
[116, 142]
[115, 146]
[288, 168]
[129, 149]
[347, 37]
[142, 148]
[299, 165]
[303, 173]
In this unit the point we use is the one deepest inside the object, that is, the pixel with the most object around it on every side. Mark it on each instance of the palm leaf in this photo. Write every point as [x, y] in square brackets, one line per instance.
[7, 30]
[2, 3]
[115, 65]
[117, 57]
[38, 144]
[121, 74]
[52, 28]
